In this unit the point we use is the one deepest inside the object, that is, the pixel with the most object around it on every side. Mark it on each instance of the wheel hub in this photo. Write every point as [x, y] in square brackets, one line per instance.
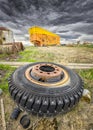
[46, 74]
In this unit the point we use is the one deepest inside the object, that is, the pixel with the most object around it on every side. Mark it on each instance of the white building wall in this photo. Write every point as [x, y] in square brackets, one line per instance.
[7, 36]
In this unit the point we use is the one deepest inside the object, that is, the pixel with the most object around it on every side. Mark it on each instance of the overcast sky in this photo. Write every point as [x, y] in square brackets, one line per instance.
[71, 19]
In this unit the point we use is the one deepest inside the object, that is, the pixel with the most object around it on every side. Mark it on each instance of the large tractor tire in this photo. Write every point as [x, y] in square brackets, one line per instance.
[45, 89]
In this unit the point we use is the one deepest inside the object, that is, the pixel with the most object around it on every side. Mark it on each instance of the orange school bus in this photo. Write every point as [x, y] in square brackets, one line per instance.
[42, 37]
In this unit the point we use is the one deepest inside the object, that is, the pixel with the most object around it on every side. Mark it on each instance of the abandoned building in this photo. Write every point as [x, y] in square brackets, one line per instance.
[7, 42]
[6, 36]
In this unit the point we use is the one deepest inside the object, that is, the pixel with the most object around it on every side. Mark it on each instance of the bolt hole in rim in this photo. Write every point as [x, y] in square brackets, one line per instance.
[41, 72]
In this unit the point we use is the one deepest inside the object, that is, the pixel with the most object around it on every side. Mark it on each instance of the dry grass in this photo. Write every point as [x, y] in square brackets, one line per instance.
[57, 54]
[54, 54]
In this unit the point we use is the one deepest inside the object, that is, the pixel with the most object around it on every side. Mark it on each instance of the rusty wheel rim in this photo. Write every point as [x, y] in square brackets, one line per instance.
[47, 75]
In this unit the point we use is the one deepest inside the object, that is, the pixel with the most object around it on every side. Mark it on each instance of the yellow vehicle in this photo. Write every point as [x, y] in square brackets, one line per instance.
[42, 37]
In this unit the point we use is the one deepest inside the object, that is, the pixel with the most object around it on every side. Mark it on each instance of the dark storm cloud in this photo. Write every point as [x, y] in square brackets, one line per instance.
[85, 28]
[71, 19]
[67, 37]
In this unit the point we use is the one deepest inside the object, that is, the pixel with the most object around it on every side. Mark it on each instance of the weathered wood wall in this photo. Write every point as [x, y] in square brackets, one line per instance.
[11, 48]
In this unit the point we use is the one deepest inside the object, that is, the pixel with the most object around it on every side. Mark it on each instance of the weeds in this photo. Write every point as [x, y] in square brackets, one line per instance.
[87, 77]
[5, 71]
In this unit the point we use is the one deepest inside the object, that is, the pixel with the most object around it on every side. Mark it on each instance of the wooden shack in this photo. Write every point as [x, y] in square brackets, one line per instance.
[7, 43]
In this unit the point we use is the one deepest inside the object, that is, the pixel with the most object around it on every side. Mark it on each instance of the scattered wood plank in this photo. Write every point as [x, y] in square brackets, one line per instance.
[3, 115]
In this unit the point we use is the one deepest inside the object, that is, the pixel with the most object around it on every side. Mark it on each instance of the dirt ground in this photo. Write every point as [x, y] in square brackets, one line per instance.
[80, 118]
